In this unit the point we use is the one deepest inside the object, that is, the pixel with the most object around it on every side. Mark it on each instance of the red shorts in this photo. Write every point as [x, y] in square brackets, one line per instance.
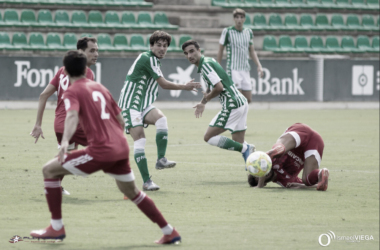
[283, 181]
[79, 162]
[78, 139]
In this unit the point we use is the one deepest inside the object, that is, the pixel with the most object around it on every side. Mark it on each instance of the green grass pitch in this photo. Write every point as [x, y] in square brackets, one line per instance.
[206, 196]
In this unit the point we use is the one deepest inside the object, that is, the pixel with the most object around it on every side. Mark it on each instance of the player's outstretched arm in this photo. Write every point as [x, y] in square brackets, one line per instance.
[165, 84]
[200, 107]
[261, 182]
[71, 124]
[37, 131]
[256, 60]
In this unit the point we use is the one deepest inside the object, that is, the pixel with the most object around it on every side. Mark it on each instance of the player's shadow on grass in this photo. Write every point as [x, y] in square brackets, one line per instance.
[281, 189]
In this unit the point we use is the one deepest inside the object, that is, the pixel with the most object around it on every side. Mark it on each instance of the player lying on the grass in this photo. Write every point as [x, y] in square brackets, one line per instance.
[298, 148]
[136, 102]
[59, 84]
[92, 105]
[233, 116]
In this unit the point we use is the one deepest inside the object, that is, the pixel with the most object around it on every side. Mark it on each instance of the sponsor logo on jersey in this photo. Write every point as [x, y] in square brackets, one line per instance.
[295, 157]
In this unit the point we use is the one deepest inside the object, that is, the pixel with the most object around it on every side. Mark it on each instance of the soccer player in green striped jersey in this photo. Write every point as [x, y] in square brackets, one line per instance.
[137, 96]
[233, 116]
[239, 46]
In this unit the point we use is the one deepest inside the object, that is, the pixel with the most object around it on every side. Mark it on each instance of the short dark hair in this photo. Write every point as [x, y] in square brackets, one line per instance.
[190, 42]
[82, 42]
[75, 63]
[238, 12]
[252, 181]
[159, 35]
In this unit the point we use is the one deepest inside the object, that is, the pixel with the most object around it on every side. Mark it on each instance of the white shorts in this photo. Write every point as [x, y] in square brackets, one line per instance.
[241, 79]
[234, 120]
[133, 118]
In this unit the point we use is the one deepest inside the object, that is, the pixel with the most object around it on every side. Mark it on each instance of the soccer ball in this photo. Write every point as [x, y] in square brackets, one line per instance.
[259, 164]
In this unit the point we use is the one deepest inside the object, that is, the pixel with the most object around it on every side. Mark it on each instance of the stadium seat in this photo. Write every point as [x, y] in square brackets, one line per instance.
[221, 3]
[78, 19]
[128, 19]
[144, 20]
[161, 21]
[327, 4]
[283, 4]
[313, 3]
[316, 44]
[363, 44]
[45, 19]
[86, 35]
[343, 4]
[5, 41]
[270, 43]
[19, 41]
[104, 42]
[10, 18]
[266, 4]
[301, 45]
[111, 20]
[358, 4]
[236, 4]
[375, 44]
[337, 22]
[173, 46]
[353, 23]
[322, 23]
[252, 3]
[53, 42]
[291, 22]
[332, 45]
[120, 43]
[299, 4]
[259, 22]
[139, 3]
[348, 45]
[70, 41]
[275, 22]
[95, 20]
[285, 44]
[137, 43]
[62, 19]
[36, 42]
[27, 18]
[306, 22]
[247, 22]
[373, 4]
[183, 39]
[368, 23]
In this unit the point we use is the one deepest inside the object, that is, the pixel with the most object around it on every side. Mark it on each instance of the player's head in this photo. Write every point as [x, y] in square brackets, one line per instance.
[159, 42]
[253, 181]
[192, 51]
[89, 46]
[239, 17]
[75, 62]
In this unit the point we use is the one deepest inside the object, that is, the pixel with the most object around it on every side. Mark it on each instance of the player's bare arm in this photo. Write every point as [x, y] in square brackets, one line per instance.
[219, 57]
[256, 60]
[71, 124]
[200, 107]
[44, 96]
[191, 86]
[216, 90]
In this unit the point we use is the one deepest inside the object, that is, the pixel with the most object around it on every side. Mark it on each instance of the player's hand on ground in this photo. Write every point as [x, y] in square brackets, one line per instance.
[36, 133]
[199, 108]
[63, 151]
[193, 85]
[260, 72]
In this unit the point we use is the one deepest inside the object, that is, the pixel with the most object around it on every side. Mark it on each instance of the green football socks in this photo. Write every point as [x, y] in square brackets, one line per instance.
[161, 142]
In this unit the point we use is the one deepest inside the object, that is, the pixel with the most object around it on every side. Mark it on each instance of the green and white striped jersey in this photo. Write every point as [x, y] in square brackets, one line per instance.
[212, 73]
[237, 45]
[140, 87]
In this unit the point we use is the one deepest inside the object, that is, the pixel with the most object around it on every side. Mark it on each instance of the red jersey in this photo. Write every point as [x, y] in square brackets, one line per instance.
[308, 142]
[97, 115]
[61, 83]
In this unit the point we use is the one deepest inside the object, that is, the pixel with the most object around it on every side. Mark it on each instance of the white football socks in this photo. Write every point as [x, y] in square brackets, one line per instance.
[56, 224]
[167, 230]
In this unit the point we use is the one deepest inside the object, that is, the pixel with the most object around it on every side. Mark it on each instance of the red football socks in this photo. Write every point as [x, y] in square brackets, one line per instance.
[312, 178]
[53, 193]
[147, 206]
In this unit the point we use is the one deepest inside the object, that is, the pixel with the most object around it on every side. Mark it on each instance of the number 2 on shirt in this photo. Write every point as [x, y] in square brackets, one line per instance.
[96, 95]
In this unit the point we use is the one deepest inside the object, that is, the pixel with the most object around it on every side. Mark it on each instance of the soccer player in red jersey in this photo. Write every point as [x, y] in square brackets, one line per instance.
[299, 148]
[59, 84]
[92, 105]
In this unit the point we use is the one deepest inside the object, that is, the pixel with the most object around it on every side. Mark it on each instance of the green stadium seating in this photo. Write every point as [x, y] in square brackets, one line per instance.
[144, 20]
[375, 44]
[322, 23]
[316, 44]
[95, 20]
[270, 43]
[348, 45]
[343, 4]
[353, 22]
[306, 22]
[285, 44]
[161, 21]
[332, 45]
[266, 4]
[221, 3]
[299, 4]
[373, 4]
[19, 41]
[53, 42]
[247, 22]
[301, 45]
[259, 22]
[173, 46]
[368, 23]
[358, 4]
[327, 4]
[104, 42]
[111, 20]
[363, 44]
[252, 3]
[337, 22]
[236, 4]
[5, 41]
[283, 4]
[78, 19]
[313, 3]
[62, 19]
[291, 22]
[183, 39]
[86, 35]
[128, 19]
[120, 43]
[70, 41]
[27, 18]
[36, 41]
[275, 22]
[45, 19]
[10, 18]
[137, 43]
[139, 3]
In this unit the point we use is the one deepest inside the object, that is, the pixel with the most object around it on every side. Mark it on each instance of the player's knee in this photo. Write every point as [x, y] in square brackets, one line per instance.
[206, 138]
[162, 123]
[46, 171]
[139, 145]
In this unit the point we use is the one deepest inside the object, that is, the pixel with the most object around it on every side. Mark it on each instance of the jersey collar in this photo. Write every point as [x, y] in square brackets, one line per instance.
[200, 63]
